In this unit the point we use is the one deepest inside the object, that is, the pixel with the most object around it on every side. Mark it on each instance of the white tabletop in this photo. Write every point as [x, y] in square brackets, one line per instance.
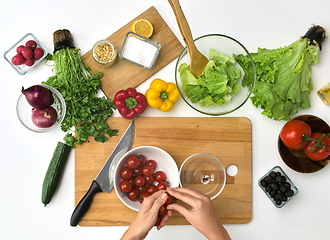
[255, 23]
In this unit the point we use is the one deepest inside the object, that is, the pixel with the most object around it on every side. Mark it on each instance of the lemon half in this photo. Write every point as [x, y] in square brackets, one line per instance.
[142, 27]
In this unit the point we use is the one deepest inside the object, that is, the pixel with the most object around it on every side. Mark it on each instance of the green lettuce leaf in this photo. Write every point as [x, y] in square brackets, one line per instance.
[283, 78]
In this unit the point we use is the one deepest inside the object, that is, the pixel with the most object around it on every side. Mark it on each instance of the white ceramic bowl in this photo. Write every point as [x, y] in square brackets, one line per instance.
[164, 162]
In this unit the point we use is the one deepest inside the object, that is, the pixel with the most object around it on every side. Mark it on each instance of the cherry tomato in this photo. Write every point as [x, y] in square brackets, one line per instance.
[132, 195]
[125, 186]
[162, 211]
[140, 181]
[132, 162]
[143, 160]
[293, 132]
[159, 219]
[169, 200]
[147, 170]
[132, 182]
[151, 189]
[143, 196]
[162, 186]
[142, 189]
[126, 173]
[160, 176]
[149, 179]
[152, 163]
[320, 154]
[138, 171]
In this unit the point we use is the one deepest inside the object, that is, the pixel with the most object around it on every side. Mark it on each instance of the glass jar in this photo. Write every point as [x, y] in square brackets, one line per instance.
[324, 94]
[104, 53]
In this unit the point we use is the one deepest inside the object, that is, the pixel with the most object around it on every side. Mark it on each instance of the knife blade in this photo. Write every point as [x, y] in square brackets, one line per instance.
[104, 180]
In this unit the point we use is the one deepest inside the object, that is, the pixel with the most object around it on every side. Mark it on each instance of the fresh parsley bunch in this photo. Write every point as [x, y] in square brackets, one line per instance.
[86, 114]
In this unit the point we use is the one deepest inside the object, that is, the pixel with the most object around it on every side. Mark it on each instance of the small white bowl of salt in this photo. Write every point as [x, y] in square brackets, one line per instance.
[140, 50]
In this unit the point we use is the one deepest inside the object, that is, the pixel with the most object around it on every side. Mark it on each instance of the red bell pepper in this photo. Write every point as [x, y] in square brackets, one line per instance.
[130, 103]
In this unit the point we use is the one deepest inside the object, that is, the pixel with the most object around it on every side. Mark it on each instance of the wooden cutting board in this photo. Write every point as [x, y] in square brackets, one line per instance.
[229, 139]
[124, 74]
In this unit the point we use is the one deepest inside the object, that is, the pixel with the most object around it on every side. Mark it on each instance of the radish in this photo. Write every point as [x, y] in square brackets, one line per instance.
[29, 61]
[31, 44]
[18, 59]
[19, 49]
[27, 52]
[38, 53]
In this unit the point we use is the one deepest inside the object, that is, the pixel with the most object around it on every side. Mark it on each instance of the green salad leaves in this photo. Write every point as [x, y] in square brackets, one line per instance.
[216, 85]
[86, 114]
[283, 77]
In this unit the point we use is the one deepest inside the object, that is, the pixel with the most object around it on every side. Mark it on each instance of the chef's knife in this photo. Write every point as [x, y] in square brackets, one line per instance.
[104, 182]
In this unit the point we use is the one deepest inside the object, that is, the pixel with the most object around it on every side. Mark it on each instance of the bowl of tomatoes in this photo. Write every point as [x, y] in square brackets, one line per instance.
[304, 143]
[141, 172]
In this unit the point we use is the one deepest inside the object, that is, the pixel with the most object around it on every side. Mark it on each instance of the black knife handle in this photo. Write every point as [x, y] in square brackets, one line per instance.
[84, 204]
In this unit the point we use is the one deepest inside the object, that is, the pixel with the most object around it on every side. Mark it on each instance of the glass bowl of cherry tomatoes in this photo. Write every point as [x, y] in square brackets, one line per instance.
[141, 172]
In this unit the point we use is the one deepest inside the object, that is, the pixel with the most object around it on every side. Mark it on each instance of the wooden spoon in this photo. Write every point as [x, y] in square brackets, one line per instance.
[198, 60]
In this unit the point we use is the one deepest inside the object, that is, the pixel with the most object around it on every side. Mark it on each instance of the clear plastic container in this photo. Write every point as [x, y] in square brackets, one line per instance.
[278, 169]
[11, 52]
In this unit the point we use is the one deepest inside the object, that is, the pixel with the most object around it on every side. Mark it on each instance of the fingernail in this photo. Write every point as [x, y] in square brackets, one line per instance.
[163, 196]
[169, 188]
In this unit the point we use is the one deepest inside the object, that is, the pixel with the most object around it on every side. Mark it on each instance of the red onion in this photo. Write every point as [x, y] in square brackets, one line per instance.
[44, 118]
[38, 96]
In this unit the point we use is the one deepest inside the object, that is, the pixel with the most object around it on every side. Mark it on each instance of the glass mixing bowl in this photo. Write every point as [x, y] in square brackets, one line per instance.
[203, 172]
[230, 47]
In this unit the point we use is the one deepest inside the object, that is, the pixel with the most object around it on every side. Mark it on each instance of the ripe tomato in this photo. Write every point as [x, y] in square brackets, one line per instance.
[132, 195]
[159, 219]
[143, 160]
[143, 196]
[125, 186]
[147, 170]
[132, 162]
[140, 181]
[169, 200]
[126, 173]
[162, 186]
[160, 176]
[293, 132]
[151, 189]
[149, 179]
[142, 189]
[321, 153]
[162, 211]
[132, 182]
[138, 171]
[152, 163]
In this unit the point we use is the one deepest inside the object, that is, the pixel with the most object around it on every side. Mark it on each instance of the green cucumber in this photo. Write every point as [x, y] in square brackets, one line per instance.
[54, 172]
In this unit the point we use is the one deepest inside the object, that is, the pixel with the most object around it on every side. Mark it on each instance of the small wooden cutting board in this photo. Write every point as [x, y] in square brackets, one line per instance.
[229, 139]
[124, 74]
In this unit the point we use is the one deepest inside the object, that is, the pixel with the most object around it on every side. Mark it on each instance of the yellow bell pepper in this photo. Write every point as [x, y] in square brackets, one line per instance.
[162, 95]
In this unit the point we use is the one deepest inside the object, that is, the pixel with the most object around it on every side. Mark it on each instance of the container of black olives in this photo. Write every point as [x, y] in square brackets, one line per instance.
[278, 187]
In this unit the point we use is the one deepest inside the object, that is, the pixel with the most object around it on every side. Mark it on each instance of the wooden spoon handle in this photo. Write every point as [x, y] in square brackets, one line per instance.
[183, 25]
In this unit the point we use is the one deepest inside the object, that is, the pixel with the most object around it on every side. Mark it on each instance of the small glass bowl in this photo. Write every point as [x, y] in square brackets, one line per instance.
[140, 50]
[203, 172]
[104, 52]
[225, 45]
[278, 170]
[11, 52]
[24, 111]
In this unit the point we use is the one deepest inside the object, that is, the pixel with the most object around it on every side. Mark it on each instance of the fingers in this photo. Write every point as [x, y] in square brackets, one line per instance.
[186, 195]
[179, 208]
[159, 201]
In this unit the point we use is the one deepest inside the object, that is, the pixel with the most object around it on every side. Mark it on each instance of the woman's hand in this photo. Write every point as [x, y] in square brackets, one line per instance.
[147, 217]
[202, 214]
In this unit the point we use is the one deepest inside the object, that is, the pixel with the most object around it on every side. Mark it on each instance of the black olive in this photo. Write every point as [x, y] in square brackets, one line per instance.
[289, 193]
[273, 174]
[278, 174]
[274, 186]
[283, 179]
[283, 188]
[273, 193]
[288, 185]
[278, 179]
[284, 198]
[268, 179]
[268, 189]
[278, 202]
[263, 183]
[278, 196]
